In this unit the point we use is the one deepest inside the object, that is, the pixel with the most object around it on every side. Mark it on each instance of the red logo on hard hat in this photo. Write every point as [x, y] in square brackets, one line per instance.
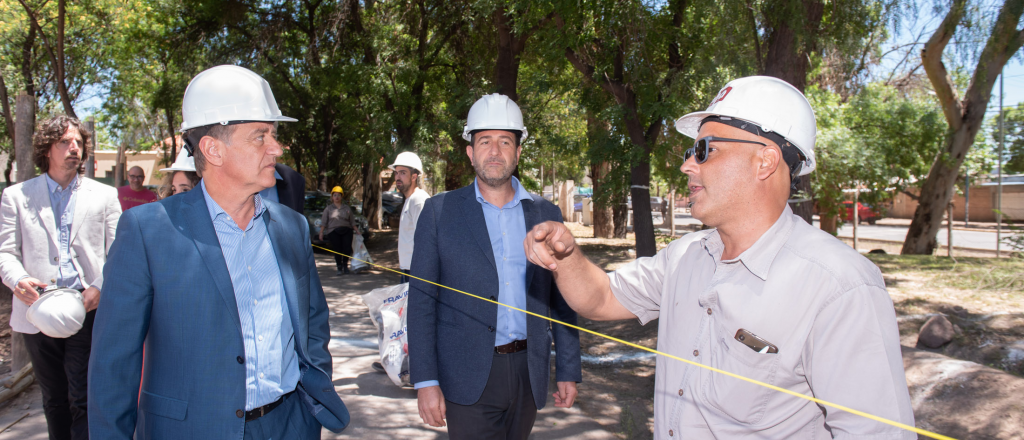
[721, 95]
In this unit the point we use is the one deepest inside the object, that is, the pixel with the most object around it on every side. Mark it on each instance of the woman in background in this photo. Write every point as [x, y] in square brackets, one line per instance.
[337, 224]
[182, 177]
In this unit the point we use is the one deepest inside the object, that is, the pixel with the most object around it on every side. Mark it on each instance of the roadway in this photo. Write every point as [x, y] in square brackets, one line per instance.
[972, 239]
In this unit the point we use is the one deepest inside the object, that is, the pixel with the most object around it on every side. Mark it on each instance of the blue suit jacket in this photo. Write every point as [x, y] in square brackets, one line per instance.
[168, 286]
[451, 335]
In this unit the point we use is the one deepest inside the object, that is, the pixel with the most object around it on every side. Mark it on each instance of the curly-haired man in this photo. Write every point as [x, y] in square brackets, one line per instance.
[56, 230]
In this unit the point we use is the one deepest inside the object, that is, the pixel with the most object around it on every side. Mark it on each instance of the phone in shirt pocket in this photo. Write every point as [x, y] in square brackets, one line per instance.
[739, 400]
[755, 342]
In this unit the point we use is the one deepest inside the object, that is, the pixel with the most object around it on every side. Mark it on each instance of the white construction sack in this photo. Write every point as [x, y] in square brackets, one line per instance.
[387, 311]
[359, 252]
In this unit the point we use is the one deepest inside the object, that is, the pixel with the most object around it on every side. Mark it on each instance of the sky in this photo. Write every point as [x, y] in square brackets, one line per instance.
[923, 24]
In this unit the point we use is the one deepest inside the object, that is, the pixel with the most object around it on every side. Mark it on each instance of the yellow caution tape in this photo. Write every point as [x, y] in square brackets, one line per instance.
[659, 353]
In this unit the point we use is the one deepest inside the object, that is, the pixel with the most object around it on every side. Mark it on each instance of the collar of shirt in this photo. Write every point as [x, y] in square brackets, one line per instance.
[216, 211]
[54, 187]
[520, 195]
[759, 257]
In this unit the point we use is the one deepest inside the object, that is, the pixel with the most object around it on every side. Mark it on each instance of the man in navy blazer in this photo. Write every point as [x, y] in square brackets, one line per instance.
[484, 367]
[212, 297]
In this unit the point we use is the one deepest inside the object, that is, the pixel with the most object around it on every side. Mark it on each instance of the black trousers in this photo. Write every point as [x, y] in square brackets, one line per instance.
[61, 365]
[405, 276]
[340, 240]
[505, 411]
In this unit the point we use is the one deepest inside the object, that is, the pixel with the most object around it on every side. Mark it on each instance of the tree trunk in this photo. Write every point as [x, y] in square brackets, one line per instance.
[620, 214]
[964, 117]
[90, 162]
[371, 194]
[5, 106]
[506, 69]
[119, 165]
[829, 224]
[603, 226]
[790, 41]
[24, 126]
[171, 129]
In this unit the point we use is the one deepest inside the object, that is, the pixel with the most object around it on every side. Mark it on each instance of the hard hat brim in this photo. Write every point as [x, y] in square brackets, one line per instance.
[689, 124]
[185, 127]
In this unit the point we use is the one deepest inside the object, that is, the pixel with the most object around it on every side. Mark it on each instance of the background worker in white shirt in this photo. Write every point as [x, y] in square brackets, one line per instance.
[408, 168]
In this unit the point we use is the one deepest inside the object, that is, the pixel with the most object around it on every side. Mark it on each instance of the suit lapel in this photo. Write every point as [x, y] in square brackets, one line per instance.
[473, 214]
[532, 217]
[205, 238]
[81, 206]
[286, 257]
[39, 198]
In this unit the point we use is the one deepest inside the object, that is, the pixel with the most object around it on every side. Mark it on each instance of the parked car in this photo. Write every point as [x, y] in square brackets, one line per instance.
[864, 212]
[313, 209]
[392, 202]
[659, 204]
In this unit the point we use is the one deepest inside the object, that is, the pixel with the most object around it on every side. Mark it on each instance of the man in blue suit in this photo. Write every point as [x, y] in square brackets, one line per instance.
[217, 292]
[482, 367]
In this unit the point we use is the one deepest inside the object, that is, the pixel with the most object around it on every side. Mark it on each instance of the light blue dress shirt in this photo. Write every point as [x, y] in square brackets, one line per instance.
[271, 193]
[271, 364]
[506, 227]
[62, 200]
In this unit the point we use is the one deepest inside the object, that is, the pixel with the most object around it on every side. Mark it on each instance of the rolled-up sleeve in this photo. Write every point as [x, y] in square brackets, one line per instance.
[639, 285]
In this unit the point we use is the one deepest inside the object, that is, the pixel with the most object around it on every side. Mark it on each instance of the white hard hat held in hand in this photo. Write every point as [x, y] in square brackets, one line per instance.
[224, 94]
[773, 108]
[494, 112]
[184, 162]
[408, 159]
[58, 313]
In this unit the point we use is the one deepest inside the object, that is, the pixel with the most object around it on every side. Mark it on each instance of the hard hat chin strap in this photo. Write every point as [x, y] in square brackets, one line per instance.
[791, 155]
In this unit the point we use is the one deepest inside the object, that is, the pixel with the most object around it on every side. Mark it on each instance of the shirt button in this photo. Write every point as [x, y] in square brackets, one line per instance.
[255, 301]
[261, 375]
[506, 283]
[54, 258]
[695, 352]
[240, 413]
[261, 340]
[670, 433]
[709, 310]
[680, 392]
[240, 360]
[490, 329]
[249, 267]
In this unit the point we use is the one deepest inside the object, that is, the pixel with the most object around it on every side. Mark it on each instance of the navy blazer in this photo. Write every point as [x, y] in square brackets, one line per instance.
[291, 189]
[167, 285]
[451, 335]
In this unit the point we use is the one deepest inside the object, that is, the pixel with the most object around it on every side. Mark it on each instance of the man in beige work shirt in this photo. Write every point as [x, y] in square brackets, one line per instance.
[763, 295]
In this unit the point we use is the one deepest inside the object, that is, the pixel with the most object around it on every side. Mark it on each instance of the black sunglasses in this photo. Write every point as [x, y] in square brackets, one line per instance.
[700, 148]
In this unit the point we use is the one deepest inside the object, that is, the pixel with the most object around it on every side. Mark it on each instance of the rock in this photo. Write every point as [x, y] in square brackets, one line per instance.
[957, 311]
[935, 332]
[877, 251]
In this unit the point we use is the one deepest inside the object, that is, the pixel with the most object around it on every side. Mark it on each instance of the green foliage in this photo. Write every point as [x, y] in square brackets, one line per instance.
[880, 138]
[1013, 150]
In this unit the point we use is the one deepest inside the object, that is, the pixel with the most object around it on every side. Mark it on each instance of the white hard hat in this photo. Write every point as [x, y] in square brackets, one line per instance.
[408, 159]
[223, 94]
[771, 104]
[494, 112]
[184, 162]
[59, 313]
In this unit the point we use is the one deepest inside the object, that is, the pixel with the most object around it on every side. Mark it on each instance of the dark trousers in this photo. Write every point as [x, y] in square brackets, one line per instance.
[61, 365]
[405, 276]
[340, 240]
[505, 411]
[290, 420]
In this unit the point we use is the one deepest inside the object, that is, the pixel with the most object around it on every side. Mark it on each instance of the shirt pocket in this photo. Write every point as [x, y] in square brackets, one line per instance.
[738, 399]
